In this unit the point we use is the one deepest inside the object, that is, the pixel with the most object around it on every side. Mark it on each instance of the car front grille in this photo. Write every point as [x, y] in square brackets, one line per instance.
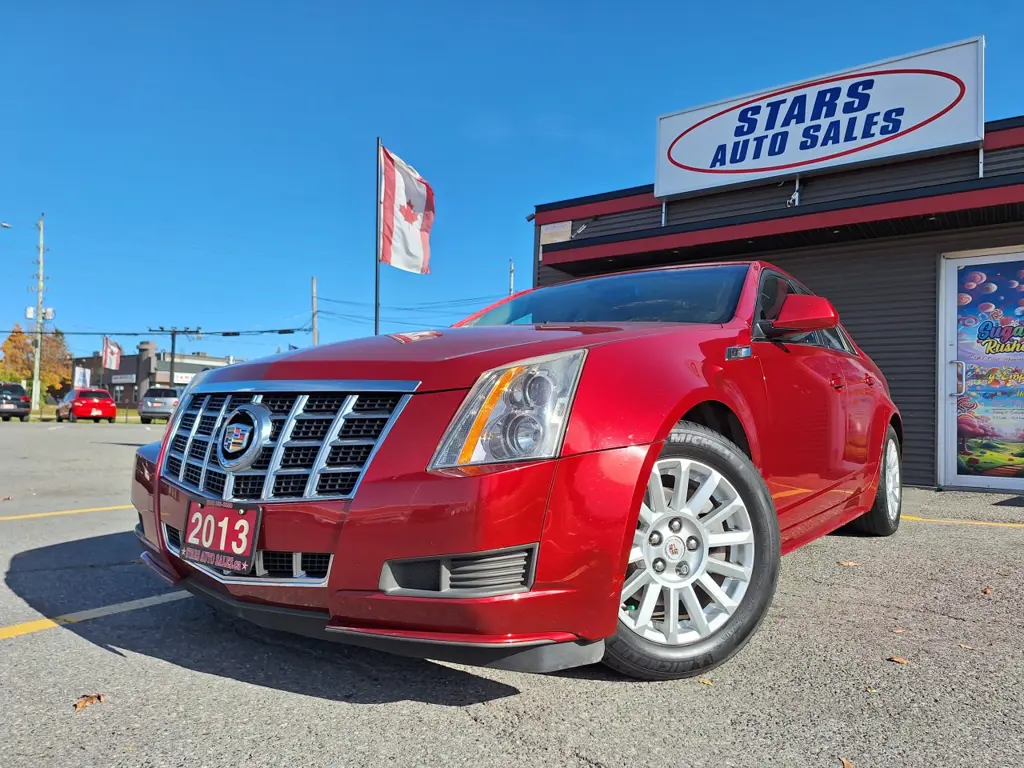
[320, 445]
[269, 564]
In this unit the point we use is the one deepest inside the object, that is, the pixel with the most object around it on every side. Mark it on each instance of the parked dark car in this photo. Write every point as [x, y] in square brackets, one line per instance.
[14, 402]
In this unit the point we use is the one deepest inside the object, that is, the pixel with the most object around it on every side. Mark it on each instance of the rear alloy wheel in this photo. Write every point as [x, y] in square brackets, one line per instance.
[883, 519]
[703, 564]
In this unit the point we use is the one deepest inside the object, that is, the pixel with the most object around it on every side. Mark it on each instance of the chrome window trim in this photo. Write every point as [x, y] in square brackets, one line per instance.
[257, 580]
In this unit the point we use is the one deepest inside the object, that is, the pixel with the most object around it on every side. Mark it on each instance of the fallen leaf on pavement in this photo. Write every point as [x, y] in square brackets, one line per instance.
[987, 591]
[89, 698]
[848, 564]
[846, 763]
[7, 498]
[708, 683]
[869, 689]
[897, 660]
[898, 630]
[968, 647]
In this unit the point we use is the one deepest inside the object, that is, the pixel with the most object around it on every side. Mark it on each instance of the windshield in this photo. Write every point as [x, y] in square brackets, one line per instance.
[686, 295]
[12, 389]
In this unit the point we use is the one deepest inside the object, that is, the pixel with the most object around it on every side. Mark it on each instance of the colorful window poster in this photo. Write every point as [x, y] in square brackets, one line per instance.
[990, 347]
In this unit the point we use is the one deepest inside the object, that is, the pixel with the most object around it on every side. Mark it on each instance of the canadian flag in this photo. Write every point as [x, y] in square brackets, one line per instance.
[111, 354]
[407, 213]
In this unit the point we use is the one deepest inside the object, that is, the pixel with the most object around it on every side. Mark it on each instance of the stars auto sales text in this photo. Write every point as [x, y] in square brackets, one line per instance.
[805, 114]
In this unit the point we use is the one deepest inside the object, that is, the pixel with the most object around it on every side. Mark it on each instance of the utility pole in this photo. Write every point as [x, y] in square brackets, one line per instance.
[40, 317]
[316, 331]
[174, 331]
[511, 277]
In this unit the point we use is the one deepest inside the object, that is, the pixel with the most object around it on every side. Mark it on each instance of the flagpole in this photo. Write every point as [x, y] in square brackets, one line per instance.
[376, 257]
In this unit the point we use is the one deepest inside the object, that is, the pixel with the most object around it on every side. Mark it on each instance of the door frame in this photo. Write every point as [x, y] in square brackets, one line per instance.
[945, 434]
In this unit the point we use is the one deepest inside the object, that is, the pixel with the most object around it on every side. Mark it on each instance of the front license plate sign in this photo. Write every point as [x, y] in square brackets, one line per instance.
[221, 537]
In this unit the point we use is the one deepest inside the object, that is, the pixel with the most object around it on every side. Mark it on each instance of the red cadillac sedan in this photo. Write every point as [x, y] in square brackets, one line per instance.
[604, 470]
[95, 404]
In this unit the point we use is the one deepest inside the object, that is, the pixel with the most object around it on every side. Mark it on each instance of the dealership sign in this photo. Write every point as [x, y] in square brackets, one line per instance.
[921, 103]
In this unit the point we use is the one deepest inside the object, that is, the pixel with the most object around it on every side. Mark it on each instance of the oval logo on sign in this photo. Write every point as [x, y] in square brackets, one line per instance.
[817, 122]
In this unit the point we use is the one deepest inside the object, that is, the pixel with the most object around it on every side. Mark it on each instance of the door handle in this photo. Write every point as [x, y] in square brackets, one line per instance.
[962, 381]
[836, 381]
[869, 379]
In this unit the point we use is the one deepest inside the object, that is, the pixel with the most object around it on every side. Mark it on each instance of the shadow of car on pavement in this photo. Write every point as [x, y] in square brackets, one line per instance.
[104, 570]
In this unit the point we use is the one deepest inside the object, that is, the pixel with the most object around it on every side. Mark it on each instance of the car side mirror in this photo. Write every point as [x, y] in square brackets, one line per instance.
[803, 314]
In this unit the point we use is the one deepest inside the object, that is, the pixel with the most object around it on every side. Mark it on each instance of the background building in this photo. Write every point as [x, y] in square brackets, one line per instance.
[145, 369]
[911, 221]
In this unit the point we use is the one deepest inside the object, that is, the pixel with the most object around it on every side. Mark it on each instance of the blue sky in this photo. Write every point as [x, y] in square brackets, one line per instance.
[198, 162]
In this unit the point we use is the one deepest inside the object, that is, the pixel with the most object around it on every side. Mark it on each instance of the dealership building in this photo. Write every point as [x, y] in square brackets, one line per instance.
[881, 188]
[149, 367]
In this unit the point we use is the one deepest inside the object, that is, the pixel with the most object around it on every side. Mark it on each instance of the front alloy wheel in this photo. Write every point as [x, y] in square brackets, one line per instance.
[692, 555]
[704, 555]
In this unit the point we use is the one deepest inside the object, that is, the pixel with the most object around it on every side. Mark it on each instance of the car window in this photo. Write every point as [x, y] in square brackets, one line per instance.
[771, 295]
[12, 389]
[94, 394]
[161, 393]
[682, 295]
[836, 338]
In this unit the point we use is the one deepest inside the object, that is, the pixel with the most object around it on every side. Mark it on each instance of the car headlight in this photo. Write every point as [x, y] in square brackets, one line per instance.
[514, 413]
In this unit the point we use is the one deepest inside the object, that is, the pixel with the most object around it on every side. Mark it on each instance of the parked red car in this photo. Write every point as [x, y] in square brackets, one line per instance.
[603, 470]
[95, 404]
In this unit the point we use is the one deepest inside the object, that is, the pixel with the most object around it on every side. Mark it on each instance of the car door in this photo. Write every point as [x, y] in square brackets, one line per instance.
[65, 406]
[861, 402]
[803, 452]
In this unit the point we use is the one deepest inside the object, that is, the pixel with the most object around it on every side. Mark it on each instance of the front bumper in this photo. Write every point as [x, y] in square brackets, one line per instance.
[531, 654]
[156, 413]
[573, 513]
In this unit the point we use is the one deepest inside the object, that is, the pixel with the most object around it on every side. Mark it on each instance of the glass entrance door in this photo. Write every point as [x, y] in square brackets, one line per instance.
[984, 392]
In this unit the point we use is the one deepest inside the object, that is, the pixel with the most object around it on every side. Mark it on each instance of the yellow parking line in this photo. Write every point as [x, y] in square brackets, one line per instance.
[962, 522]
[63, 512]
[38, 625]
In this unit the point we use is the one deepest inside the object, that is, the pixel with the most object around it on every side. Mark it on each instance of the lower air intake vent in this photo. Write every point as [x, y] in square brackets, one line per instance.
[481, 574]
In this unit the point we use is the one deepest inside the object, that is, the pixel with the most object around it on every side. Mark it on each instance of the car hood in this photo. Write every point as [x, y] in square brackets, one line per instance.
[448, 358]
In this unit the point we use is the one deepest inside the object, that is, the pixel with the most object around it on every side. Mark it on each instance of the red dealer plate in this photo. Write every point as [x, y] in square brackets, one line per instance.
[221, 536]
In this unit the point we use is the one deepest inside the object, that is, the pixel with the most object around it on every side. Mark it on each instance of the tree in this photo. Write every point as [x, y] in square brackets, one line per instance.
[17, 351]
[54, 365]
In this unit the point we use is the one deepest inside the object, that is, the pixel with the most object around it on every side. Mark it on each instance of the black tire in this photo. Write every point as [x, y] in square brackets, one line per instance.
[72, 418]
[145, 419]
[5, 418]
[880, 520]
[23, 418]
[96, 421]
[628, 653]
[112, 420]
[59, 417]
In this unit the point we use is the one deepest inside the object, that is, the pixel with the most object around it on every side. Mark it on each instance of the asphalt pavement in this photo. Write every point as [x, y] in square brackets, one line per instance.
[183, 686]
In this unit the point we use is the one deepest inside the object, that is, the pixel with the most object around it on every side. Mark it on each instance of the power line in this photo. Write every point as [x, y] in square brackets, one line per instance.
[367, 319]
[57, 332]
[429, 306]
